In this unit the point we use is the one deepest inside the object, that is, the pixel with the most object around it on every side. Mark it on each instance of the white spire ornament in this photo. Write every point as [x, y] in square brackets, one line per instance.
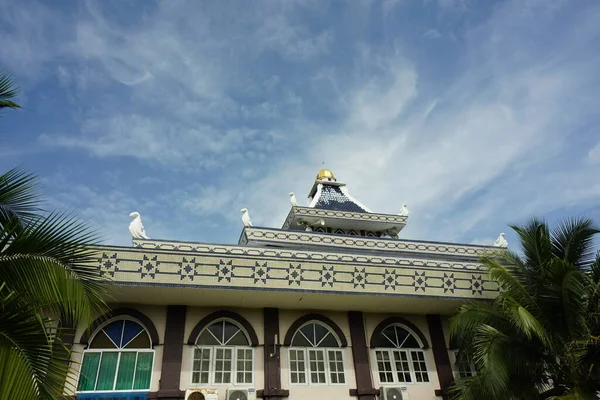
[501, 241]
[404, 211]
[246, 217]
[293, 199]
[136, 228]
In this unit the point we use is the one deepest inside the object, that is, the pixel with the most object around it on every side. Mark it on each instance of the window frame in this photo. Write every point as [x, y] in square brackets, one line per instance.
[394, 370]
[307, 370]
[456, 369]
[117, 370]
[305, 349]
[395, 346]
[119, 350]
[213, 353]
[212, 364]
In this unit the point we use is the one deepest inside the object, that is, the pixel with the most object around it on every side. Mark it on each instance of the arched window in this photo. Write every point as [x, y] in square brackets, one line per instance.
[315, 351]
[222, 355]
[119, 358]
[399, 356]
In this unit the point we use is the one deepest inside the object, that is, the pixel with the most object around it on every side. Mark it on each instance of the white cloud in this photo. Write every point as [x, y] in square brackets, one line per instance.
[432, 33]
[486, 241]
[184, 92]
[594, 154]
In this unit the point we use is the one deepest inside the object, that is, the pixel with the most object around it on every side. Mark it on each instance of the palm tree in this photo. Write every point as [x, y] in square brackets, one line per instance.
[7, 92]
[48, 282]
[539, 339]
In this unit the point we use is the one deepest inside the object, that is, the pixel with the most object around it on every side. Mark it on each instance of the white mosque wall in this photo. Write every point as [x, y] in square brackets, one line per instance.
[158, 315]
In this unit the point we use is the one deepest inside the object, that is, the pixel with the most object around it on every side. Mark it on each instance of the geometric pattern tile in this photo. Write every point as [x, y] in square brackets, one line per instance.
[260, 272]
[149, 266]
[357, 216]
[420, 281]
[359, 278]
[477, 284]
[315, 239]
[390, 279]
[225, 270]
[327, 276]
[294, 274]
[231, 267]
[449, 283]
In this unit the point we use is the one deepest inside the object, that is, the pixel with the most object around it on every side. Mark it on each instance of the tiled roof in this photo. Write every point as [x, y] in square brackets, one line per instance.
[332, 198]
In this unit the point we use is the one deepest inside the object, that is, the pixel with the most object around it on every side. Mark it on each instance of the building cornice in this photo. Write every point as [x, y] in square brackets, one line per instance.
[358, 244]
[160, 263]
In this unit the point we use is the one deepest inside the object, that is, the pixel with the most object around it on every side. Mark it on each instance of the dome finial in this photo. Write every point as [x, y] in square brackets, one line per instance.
[325, 174]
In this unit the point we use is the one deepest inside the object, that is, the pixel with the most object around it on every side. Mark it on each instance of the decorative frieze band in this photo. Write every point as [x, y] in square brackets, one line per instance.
[290, 270]
[264, 236]
[296, 212]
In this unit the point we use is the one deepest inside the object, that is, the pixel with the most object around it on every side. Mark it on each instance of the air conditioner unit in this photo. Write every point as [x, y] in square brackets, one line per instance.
[394, 393]
[241, 394]
[202, 394]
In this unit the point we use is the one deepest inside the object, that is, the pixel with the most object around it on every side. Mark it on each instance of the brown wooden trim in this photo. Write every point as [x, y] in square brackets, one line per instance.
[398, 320]
[173, 348]
[365, 393]
[314, 317]
[223, 314]
[360, 355]
[131, 312]
[273, 393]
[272, 357]
[440, 354]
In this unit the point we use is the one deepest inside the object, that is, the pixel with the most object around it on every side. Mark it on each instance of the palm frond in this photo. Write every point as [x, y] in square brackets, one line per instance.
[18, 197]
[594, 270]
[572, 241]
[511, 283]
[465, 323]
[526, 323]
[52, 259]
[540, 338]
[534, 238]
[565, 294]
[28, 366]
[8, 91]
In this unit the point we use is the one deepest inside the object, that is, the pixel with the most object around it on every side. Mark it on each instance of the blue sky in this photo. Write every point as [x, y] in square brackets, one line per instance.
[476, 113]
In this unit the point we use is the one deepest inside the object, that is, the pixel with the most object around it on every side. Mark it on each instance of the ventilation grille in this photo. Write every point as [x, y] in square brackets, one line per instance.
[393, 394]
[237, 395]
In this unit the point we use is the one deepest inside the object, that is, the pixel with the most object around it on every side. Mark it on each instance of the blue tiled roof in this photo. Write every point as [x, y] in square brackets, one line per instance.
[332, 198]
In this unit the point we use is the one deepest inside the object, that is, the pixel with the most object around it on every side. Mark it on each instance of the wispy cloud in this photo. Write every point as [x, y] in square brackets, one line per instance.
[204, 109]
[594, 154]
[432, 33]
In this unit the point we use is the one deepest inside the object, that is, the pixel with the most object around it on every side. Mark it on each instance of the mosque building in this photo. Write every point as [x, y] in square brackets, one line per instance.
[332, 305]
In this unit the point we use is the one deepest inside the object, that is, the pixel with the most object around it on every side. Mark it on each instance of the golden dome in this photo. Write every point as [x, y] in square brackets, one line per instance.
[325, 174]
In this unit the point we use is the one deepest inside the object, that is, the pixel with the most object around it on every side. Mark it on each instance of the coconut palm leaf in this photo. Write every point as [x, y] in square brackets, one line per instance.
[8, 91]
[51, 258]
[18, 196]
[572, 241]
[539, 338]
[534, 238]
[29, 368]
